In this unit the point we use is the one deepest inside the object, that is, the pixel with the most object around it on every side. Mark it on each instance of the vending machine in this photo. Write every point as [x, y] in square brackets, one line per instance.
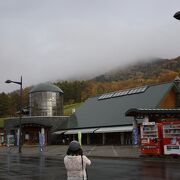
[171, 138]
[151, 138]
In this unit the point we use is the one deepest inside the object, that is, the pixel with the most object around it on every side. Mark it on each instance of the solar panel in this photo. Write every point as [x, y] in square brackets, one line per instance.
[131, 91]
[142, 89]
[120, 93]
[134, 91]
[105, 96]
[138, 90]
[110, 95]
[117, 94]
[101, 97]
[123, 93]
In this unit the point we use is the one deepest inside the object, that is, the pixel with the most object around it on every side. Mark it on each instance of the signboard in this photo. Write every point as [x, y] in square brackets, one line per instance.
[10, 140]
[148, 123]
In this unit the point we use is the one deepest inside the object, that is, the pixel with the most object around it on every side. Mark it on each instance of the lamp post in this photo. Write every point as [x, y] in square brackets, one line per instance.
[177, 15]
[20, 113]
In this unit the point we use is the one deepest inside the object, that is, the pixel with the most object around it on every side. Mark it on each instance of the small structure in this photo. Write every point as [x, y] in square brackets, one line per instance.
[46, 114]
[159, 132]
[46, 100]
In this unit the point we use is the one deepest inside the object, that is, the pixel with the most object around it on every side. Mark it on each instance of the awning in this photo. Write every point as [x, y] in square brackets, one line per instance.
[59, 132]
[114, 129]
[75, 131]
[97, 130]
[162, 113]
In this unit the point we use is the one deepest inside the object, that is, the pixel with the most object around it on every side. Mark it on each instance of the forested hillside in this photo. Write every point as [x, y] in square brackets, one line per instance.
[78, 91]
[145, 70]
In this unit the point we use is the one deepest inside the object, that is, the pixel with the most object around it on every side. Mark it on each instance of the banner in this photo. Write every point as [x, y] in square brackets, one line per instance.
[135, 136]
[17, 136]
[41, 141]
[80, 137]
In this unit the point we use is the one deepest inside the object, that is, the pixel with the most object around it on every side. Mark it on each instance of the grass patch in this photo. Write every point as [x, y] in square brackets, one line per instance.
[68, 108]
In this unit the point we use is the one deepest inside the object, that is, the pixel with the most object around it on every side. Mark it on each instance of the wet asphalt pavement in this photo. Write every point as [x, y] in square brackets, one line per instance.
[13, 167]
[23, 167]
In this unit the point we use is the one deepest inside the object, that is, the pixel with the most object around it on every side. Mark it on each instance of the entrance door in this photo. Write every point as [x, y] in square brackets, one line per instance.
[31, 135]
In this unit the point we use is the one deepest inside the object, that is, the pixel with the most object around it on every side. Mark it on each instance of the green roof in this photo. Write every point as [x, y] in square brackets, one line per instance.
[45, 87]
[52, 122]
[111, 111]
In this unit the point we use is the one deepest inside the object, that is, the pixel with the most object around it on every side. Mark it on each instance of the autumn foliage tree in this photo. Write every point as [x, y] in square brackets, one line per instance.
[78, 91]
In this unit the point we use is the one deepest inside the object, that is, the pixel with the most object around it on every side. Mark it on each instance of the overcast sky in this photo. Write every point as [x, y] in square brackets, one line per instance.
[47, 40]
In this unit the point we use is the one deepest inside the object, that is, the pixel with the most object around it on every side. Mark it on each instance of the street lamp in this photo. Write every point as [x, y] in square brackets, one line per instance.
[177, 15]
[20, 114]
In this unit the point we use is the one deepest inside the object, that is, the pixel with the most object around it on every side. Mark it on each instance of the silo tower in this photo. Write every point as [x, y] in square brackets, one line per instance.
[46, 100]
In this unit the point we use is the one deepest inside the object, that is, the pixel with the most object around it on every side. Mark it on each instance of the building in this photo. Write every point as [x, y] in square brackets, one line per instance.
[46, 114]
[1, 131]
[102, 119]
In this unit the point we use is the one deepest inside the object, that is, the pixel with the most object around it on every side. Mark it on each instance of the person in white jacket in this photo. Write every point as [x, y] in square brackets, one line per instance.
[75, 162]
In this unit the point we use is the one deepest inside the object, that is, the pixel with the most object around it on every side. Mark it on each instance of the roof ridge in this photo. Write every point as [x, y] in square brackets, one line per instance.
[146, 85]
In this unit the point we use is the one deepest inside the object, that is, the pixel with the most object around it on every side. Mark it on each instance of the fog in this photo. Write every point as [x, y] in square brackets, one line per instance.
[49, 40]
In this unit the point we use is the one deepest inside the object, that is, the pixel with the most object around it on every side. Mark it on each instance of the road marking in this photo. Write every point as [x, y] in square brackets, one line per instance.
[92, 149]
[114, 151]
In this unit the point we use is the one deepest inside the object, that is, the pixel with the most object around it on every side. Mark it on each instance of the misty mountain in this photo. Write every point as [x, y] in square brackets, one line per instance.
[142, 70]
